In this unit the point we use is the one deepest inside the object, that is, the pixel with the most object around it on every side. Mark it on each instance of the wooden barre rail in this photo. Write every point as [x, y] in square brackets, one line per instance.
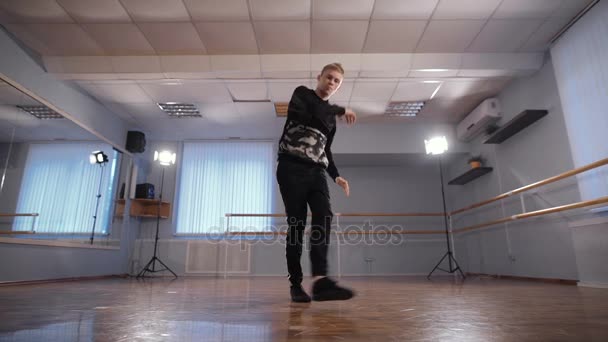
[19, 232]
[535, 213]
[15, 215]
[345, 215]
[553, 179]
[534, 185]
[389, 214]
[392, 232]
[571, 206]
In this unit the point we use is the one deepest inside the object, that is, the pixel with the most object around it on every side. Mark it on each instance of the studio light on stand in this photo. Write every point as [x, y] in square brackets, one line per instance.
[164, 158]
[101, 159]
[438, 146]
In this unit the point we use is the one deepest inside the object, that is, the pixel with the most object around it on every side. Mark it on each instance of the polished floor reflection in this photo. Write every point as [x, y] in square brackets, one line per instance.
[258, 309]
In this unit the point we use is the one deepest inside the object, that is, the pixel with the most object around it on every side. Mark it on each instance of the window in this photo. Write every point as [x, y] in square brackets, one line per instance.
[581, 71]
[61, 186]
[225, 177]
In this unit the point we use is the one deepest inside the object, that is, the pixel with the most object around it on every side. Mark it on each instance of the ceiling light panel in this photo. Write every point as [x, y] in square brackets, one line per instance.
[180, 110]
[41, 112]
[403, 108]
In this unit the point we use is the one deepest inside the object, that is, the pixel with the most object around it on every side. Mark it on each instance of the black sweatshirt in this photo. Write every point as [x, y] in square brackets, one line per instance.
[309, 130]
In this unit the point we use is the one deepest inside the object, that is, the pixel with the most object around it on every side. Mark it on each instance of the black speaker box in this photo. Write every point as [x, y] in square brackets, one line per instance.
[145, 190]
[136, 142]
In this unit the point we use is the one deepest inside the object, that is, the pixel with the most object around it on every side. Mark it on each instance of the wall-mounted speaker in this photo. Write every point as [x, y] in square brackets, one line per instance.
[136, 142]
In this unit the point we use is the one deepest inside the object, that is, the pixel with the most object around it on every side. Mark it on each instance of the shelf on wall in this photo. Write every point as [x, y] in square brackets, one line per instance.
[470, 175]
[519, 122]
[141, 207]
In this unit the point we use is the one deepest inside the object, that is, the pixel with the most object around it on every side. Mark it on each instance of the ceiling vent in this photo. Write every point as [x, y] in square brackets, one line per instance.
[41, 112]
[180, 110]
[404, 108]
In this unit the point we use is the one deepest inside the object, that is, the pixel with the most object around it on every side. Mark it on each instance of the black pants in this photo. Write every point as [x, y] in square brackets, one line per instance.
[303, 185]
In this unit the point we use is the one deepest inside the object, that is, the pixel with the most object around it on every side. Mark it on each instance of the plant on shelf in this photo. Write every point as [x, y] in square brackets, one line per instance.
[475, 161]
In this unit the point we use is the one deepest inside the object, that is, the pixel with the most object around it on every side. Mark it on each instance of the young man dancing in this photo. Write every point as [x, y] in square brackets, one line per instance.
[304, 157]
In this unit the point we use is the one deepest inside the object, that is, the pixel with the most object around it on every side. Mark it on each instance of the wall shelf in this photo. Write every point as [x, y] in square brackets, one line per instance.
[144, 208]
[470, 175]
[519, 122]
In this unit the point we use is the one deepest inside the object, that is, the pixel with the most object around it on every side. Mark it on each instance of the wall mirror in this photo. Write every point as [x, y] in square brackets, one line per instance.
[50, 187]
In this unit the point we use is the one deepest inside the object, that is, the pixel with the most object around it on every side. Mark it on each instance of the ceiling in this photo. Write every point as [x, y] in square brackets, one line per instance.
[131, 54]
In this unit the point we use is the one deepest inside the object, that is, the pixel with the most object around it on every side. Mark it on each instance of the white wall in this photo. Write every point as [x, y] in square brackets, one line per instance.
[534, 247]
[392, 138]
[404, 188]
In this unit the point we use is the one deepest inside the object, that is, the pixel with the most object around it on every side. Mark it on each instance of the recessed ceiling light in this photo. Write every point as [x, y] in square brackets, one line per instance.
[433, 70]
[403, 108]
[180, 110]
[41, 112]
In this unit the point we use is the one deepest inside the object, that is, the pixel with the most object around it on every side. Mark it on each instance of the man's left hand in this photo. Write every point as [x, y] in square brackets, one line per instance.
[343, 183]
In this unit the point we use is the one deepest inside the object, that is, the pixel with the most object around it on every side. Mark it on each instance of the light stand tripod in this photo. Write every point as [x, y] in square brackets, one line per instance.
[448, 254]
[154, 259]
[99, 158]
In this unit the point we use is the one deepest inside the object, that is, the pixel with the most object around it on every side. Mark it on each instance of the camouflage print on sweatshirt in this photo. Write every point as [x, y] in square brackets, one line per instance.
[304, 142]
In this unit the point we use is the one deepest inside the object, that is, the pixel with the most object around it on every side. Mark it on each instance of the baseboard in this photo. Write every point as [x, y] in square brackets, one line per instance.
[534, 279]
[241, 275]
[55, 243]
[593, 284]
[60, 280]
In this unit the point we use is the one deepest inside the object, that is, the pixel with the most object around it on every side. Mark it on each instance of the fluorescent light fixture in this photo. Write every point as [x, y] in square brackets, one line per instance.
[433, 70]
[404, 108]
[436, 90]
[98, 157]
[437, 145]
[235, 100]
[41, 112]
[250, 101]
[165, 157]
[280, 108]
[431, 82]
[180, 110]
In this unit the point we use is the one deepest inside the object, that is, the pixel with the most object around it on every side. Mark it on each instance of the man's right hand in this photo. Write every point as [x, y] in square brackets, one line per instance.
[350, 116]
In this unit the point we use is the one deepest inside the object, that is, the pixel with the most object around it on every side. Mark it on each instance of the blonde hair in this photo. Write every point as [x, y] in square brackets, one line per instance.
[333, 66]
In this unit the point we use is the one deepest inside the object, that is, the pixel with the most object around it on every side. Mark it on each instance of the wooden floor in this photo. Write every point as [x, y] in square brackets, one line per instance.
[258, 309]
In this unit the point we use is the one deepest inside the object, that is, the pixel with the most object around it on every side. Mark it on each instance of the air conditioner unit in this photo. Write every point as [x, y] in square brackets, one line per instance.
[488, 112]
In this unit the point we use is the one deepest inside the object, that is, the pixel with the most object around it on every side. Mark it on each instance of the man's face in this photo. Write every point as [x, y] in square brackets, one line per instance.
[329, 81]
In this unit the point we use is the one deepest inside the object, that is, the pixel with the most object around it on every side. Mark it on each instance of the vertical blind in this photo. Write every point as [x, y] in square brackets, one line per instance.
[581, 70]
[61, 185]
[219, 177]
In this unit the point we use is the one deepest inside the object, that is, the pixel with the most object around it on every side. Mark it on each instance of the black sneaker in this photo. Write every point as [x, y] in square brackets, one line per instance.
[298, 295]
[327, 289]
